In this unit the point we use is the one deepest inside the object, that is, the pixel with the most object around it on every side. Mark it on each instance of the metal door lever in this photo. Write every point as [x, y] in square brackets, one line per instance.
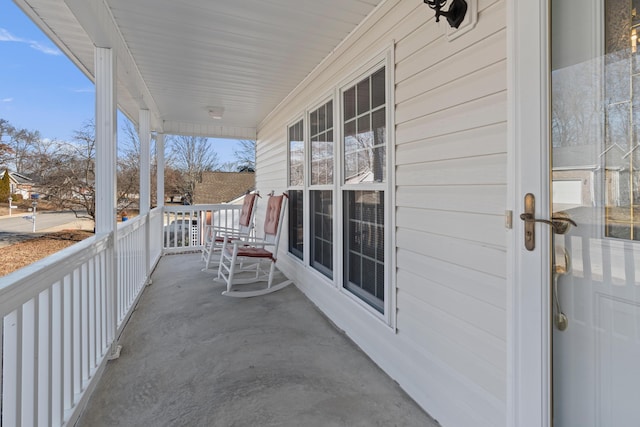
[559, 222]
[556, 222]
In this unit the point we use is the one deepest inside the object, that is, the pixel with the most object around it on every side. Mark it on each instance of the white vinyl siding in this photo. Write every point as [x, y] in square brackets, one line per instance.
[448, 348]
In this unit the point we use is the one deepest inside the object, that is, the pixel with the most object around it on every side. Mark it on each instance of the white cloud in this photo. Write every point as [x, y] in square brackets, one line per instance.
[6, 100]
[87, 90]
[6, 36]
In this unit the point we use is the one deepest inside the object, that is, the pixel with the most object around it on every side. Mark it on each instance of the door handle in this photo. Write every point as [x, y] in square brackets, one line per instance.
[559, 222]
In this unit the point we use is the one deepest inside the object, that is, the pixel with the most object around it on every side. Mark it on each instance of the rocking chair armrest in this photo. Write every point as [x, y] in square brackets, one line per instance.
[251, 242]
[217, 229]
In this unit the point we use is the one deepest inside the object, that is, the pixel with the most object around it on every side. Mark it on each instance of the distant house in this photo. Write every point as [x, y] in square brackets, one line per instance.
[222, 187]
[21, 184]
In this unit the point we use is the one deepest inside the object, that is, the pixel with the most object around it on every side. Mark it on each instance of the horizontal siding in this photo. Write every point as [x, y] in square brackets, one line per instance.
[479, 228]
[481, 199]
[449, 338]
[475, 114]
[482, 286]
[449, 350]
[484, 170]
[480, 84]
[462, 401]
[467, 143]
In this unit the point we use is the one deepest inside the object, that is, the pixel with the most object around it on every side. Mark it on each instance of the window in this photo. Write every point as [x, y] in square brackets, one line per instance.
[364, 246]
[365, 130]
[339, 163]
[321, 134]
[321, 193]
[296, 155]
[296, 182]
[322, 231]
[363, 187]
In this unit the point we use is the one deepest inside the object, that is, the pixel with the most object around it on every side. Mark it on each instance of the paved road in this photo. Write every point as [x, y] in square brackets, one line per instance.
[19, 226]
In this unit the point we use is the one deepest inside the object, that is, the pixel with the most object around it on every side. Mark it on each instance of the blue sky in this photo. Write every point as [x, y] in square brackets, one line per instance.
[41, 89]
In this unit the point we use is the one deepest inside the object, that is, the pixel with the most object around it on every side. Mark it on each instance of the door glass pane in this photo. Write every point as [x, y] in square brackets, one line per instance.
[595, 303]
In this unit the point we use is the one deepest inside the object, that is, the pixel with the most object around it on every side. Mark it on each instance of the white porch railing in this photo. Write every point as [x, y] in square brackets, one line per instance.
[184, 226]
[62, 316]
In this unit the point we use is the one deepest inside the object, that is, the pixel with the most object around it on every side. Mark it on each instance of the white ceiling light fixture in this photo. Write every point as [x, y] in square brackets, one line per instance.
[216, 112]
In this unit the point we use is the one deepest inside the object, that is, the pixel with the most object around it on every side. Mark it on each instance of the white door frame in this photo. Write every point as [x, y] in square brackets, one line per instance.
[528, 328]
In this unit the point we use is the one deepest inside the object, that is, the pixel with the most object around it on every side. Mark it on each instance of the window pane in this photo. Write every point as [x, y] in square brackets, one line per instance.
[364, 146]
[351, 168]
[329, 114]
[350, 140]
[296, 235]
[322, 124]
[364, 136]
[314, 123]
[364, 246]
[350, 103]
[363, 96]
[378, 89]
[322, 236]
[379, 163]
[379, 125]
[296, 155]
[322, 147]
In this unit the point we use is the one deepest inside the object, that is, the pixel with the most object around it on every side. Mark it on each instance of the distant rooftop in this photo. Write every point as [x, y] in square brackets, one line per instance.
[222, 187]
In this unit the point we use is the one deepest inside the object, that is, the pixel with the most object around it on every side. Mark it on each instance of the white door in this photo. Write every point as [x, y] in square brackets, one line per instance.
[595, 180]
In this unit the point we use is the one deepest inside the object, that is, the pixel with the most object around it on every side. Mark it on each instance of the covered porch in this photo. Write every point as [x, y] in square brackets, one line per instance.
[191, 356]
[387, 129]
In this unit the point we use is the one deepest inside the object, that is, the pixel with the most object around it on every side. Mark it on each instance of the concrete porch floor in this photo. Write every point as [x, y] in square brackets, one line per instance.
[191, 357]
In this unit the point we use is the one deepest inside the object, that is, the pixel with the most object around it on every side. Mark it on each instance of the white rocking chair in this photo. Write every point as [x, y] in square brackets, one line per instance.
[214, 235]
[251, 255]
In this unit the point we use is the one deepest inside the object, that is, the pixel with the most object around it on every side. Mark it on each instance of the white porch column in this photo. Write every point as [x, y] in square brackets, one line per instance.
[144, 135]
[105, 188]
[106, 141]
[160, 172]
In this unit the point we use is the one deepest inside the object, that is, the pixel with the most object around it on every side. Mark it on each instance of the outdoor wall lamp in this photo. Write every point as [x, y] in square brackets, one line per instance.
[455, 14]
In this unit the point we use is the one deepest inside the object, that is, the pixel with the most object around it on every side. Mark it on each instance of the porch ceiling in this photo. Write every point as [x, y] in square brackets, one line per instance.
[178, 58]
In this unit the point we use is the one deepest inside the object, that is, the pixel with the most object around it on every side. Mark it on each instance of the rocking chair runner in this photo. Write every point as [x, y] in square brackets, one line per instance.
[214, 235]
[250, 255]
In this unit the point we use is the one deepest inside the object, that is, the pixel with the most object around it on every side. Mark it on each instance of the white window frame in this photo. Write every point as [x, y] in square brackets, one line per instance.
[384, 59]
[305, 209]
[333, 187]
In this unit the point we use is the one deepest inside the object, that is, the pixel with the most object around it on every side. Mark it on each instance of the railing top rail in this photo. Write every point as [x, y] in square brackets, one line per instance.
[202, 207]
[24, 284]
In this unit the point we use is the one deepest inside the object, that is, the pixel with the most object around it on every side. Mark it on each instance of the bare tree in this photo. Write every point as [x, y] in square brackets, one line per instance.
[6, 130]
[192, 155]
[128, 168]
[22, 142]
[245, 155]
[228, 167]
[70, 179]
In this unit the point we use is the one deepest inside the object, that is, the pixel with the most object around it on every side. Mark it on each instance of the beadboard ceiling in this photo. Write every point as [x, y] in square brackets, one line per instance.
[177, 58]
